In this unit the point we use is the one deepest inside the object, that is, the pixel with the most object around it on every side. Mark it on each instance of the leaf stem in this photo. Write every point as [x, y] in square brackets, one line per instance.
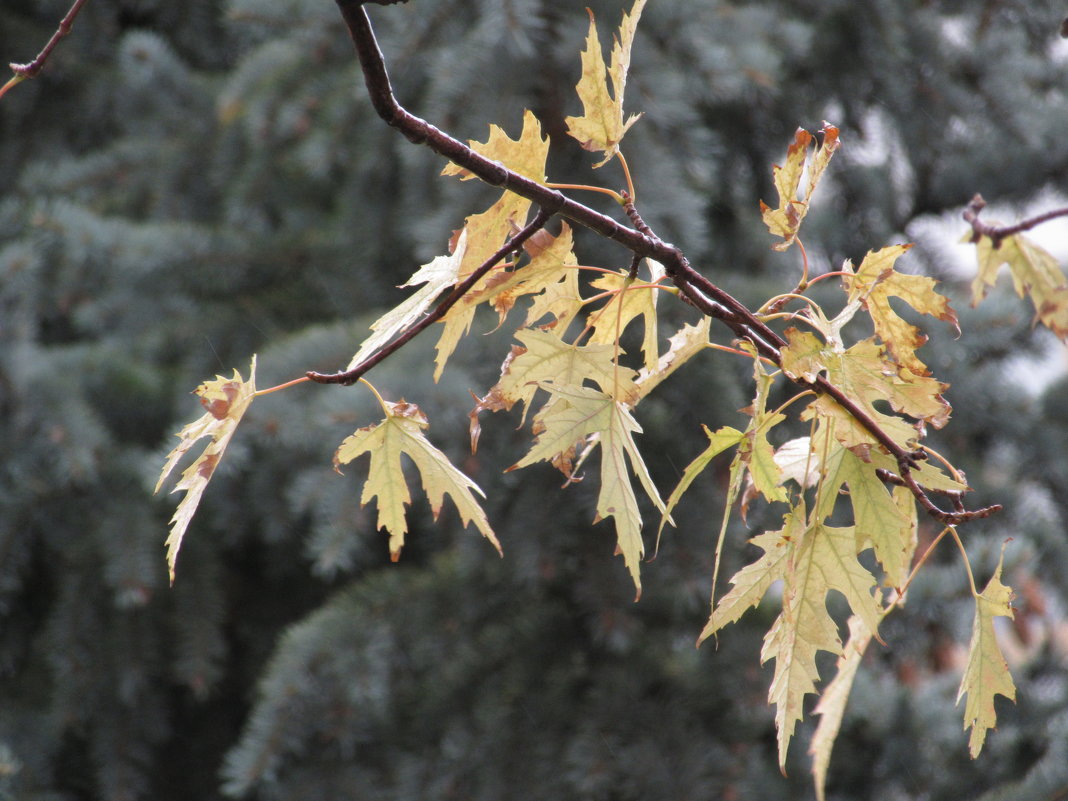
[957, 475]
[14, 81]
[618, 198]
[286, 385]
[915, 570]
[773, 305]
[381, 401]
[738, 352]
[830, 274]
[630, 183]
[803, 394]
[967, 562]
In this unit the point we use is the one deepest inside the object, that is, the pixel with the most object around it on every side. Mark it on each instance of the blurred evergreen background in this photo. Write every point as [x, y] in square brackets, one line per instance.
[190, 183]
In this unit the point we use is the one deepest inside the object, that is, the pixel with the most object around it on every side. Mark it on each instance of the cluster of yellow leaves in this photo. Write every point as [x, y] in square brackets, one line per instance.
[583, 417]
[589, 387]
[838, 466]
[578, 417]
[590, 396]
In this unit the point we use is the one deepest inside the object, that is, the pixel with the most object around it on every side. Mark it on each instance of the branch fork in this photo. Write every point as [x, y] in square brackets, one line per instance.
[694, 288]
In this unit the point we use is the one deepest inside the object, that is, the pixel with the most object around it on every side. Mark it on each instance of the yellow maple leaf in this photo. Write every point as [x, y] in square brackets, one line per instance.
[751, 583]
[525, 155]
[811, 559]
[627, 304]
[601, 126]
[683, 345]
[986, 674]
[399, 434]
[553, 262]
[885, 520]
[832, 703]
[719, 441]
[546, 358]
[785, 219]
[878, 516]
[562, 300]
[865, 374]
[488, 230]
[875, 282]
[1035, 273]
[226, 400]
[586, 415]
[804, 627]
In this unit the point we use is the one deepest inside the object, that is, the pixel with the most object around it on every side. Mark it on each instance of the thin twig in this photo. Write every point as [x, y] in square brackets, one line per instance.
[349, 377]
[996, 233]
[31, 69]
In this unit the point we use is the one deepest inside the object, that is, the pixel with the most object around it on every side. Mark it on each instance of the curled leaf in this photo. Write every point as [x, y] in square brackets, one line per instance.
[226, 401]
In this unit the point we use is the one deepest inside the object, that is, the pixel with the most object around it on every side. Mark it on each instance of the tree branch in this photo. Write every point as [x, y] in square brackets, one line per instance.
[996, 233]
[695, 288]
[349, 377]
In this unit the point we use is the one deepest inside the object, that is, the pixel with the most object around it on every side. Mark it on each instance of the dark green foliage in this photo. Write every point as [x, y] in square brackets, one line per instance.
[189, 183]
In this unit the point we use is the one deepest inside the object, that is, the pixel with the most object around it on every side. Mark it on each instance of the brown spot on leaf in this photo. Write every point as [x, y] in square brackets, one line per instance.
[207, 465]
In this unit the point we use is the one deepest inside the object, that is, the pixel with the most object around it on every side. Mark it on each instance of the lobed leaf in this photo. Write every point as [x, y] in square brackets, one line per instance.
[832, 703]
[226, 400]
[399, 434]
[875, 282]
[1035, 273]
[546, 358]
[879, 518]
[435, 276]
[824, 559]
[866, 375]
[683, 345]
[752, 582]
[627, 304]
[601, 125]
[549, 268]
[724, 438]
[885, 520]
[812, 559]
[583, 414]
[986, 674]
[488, 230]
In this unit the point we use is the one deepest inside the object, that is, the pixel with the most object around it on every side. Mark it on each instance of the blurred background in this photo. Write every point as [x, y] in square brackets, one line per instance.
[190, 183]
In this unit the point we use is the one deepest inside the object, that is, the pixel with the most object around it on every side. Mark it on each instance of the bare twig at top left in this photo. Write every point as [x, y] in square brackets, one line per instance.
[32, 68]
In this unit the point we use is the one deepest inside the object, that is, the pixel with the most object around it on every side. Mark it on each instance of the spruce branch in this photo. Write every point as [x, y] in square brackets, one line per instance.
[996, 233]
[694, 288]
[30, 70]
